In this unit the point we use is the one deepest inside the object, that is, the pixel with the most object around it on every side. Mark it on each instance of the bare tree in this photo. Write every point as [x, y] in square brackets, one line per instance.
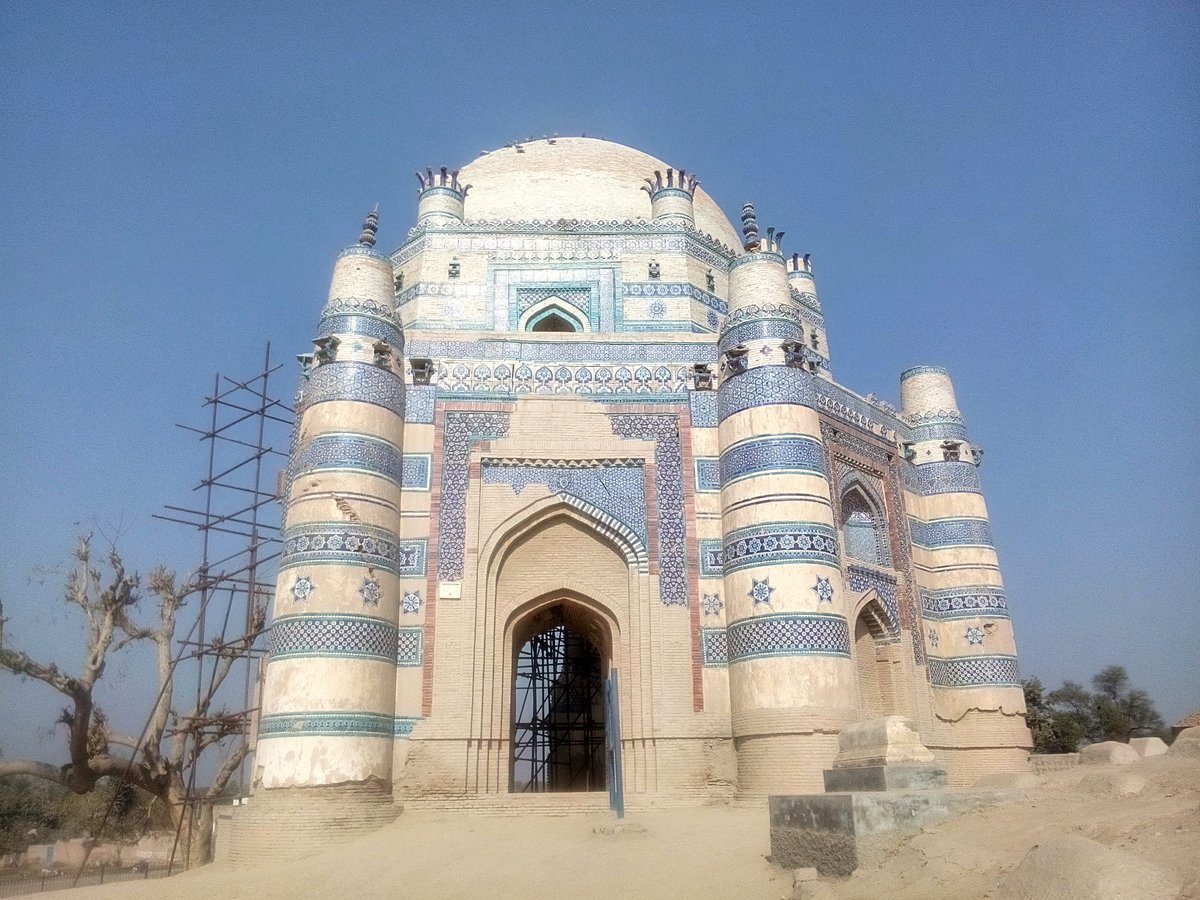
[158, 760]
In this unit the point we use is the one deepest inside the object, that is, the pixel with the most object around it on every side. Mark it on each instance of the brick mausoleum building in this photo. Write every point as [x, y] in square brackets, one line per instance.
[576, 422]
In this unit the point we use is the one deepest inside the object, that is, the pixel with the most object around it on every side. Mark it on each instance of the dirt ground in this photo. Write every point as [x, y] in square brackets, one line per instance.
[1150, 808]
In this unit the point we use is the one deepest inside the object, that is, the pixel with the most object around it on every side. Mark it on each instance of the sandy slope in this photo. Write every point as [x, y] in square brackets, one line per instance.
[720, 852]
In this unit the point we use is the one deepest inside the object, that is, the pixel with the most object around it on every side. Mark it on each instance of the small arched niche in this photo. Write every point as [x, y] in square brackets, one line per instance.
[552, 317]
[864, 532]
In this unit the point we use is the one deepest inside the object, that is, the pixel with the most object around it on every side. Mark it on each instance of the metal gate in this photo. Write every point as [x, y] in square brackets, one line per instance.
[612, 740]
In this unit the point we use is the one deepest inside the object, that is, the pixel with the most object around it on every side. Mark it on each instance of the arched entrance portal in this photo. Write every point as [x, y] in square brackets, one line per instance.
[561, 656]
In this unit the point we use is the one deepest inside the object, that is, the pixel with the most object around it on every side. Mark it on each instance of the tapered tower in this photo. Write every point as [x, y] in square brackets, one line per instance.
[328, 702]
[978, 702]
[791, 680]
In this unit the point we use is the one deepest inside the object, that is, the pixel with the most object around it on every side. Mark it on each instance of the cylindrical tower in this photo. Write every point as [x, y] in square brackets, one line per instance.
[791, 679]
[441, 199]
[671, 197]
[804, 294]
[978, 702]
[329, 693]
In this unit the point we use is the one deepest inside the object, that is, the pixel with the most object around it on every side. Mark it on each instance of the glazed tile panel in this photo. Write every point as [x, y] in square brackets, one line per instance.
[780, 544]
[788, 634]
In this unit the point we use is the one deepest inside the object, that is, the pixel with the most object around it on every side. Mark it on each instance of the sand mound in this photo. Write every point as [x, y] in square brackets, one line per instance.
[1070, 867]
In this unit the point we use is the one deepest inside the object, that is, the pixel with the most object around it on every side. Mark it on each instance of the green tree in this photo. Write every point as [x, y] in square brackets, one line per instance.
[1070, 715]
[1120, 711]
[1054, 730]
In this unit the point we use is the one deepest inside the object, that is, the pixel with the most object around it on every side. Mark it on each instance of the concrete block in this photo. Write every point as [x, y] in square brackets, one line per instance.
[821, 831]
[1148, 746]
[1108, 753]
[885, 778]
[881, 742]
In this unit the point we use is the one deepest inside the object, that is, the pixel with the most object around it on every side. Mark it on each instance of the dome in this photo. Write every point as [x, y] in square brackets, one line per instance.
[574, 178]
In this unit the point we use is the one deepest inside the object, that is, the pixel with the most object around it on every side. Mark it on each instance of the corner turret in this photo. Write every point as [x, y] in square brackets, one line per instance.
[671, 197]
[804, 295]
[442, 200]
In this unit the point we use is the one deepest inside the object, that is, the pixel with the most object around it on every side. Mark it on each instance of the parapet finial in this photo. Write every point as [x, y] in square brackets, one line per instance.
[749, 227]
[680, 181]
[443, 178]
[370, 226]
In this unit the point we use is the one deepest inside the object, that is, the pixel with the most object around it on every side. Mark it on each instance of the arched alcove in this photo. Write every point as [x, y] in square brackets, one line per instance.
[561, 653]
[864, 530]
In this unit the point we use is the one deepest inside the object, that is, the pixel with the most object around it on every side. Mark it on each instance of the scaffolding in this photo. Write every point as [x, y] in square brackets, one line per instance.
[239, 518]
[559, 724]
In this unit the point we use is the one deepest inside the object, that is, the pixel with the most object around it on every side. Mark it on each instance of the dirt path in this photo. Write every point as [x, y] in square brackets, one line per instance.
[1151, 808]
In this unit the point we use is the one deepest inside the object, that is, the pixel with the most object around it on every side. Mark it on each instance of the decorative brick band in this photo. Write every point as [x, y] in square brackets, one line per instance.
[363, 326]
[350, 380]
[963, 532]
[759, 256]
[344, 543]
[712, 562]
[404, 726]
[965, 602]
[330, 635]
[356, 452]
[788, 634]
[703, 405]
[782, 543]
[764, 386]
[778, 453]
[942, 477]
[974, 671]
[326, 724]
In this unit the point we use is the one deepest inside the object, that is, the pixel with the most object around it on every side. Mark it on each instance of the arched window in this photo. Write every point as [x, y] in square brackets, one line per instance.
[552, 322]
[863, 531]
[553, 318]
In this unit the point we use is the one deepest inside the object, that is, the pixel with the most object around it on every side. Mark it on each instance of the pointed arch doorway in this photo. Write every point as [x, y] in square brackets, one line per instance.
[562, 654]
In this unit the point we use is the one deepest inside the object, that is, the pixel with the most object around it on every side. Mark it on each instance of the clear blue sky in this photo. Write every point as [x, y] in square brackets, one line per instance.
[1011, 190]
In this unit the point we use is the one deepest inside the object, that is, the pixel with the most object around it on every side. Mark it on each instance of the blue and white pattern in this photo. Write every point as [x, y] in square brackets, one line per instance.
[332, 635]
[711, 605]
[933, 638]
[974, 635]
[371, 592]
[657, 309]
[760, 591]
[941, 477]
[764, 386]
[676, 289]
[302, 588]
[860, 579]
[672, 528]
[410, 646]
[349, 380]
[365, 326]
[619, 490]
[348, 452]
[708, 474]
[325, 724]
[703, 405]
[824, 590]
[419, 404]
[974, 671]
[534, 352]
[405, 726]
[461, 431]
[960, 532]
[410, 604]
[712, 563]
[965, 602]
[345, 543]
[774, 330]
[774, 454]
[788, 634]
[782, 543]
[714, 647]
[415, 471]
